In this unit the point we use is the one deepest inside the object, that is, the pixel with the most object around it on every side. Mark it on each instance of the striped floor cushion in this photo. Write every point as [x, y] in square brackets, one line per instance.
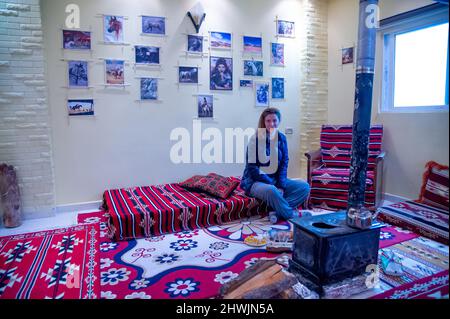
[149, 211]
[434, 191]
[422, 219]
[330, 188]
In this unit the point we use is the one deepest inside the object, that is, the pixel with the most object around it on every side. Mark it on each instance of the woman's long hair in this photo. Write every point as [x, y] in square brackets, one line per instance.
[268, 111]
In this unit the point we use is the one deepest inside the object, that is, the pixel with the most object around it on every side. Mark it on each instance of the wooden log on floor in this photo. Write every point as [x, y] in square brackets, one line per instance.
[264, 280]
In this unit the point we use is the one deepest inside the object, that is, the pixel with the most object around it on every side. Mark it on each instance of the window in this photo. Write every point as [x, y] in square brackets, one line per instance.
[415, 61]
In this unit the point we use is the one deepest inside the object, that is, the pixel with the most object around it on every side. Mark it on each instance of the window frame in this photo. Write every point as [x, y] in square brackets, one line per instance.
[391, 27]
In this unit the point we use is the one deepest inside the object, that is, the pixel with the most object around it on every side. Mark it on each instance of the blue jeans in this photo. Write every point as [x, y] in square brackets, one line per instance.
[295, 193]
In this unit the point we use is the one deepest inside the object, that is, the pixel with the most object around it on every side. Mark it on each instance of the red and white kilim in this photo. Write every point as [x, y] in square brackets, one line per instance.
[161, 209]
[435, 186]
[55, 264]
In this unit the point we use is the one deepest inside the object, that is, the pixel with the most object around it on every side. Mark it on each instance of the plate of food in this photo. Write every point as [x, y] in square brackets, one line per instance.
[255, 241]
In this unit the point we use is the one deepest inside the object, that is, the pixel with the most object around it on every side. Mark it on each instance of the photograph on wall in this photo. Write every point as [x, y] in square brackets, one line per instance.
[153, 25]
[221, 73]
[277, 88]
[285, 28]
[146, 54]
[246, 83]
[262, 94]
[205, 105]
[277, 54]
[220, 40]
[78, 73]
[253, 68]
[187, 74]
[347, 55]
[115, 71]
[80, 107]
[113, 29]
[76, 40]
[149, 89]
[252, 44]
[195, 43]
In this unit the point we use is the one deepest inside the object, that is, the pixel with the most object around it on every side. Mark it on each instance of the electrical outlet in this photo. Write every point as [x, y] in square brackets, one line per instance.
[289, 130]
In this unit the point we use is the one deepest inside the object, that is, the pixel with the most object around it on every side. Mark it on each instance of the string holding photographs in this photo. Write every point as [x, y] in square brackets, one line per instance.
[253, 68]
[252, 44]
[262, 94]
[115, 72]
[78, 74]
[205, 106]
[149, 89]
[277, 54]
[113, 29]
[146, 54]
[347, 55]
[277, 88]
[246, 83]
[80, 107]
[153, 25]
[76, 40]
[221, 73]
[285, 28]
[187, 74]
[195, 43]
[220, 40]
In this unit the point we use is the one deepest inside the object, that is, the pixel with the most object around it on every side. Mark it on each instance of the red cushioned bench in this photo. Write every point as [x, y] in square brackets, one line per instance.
[149, 211]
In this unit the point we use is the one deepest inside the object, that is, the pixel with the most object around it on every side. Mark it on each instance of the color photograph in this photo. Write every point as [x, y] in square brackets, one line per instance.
[253, 68]
[78, 73]
[277, 88]
[221, 73]
[347, 55]
[195, 43]
[262, 94]
[146, 54]
[114, 71]
[80, 107]
[220, 40]
[252, 44]
[246, 83]
[76, 40]
[285, 28]
[205, 105]
[113, 29]
[153, 25]
[277, 54]
[187, 74]
[149, 89]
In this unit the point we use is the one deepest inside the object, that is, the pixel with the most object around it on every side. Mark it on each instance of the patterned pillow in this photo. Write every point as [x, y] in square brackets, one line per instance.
[189, 184]
[217, 185]
[434, 191]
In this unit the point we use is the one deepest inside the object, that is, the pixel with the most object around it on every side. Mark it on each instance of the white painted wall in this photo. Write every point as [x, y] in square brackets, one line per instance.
[410, 140]
[127, 142]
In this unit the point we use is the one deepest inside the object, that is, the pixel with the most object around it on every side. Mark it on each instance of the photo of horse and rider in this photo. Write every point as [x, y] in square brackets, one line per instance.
[146, 54]
[80, 107]
[205, 105]
[114, 70]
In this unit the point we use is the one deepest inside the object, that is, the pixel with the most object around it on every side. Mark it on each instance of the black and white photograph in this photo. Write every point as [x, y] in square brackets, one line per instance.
[195, 43]
[253, 68]
[187, 74]
[262, 94]
[277, 88]
[277, 54]
[285, 28]
[153, 25]
[347, 55]
[205, 105]
[146, 54]
[78, 74]
[221, 73]
[80, 107]
[246, 83]
[149, 89]
[220, 40]
[113, 29]
[76, 40]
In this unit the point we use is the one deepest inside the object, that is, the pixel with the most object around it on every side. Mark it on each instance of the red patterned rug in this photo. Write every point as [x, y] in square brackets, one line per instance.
[431, 287]
[54, 264]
